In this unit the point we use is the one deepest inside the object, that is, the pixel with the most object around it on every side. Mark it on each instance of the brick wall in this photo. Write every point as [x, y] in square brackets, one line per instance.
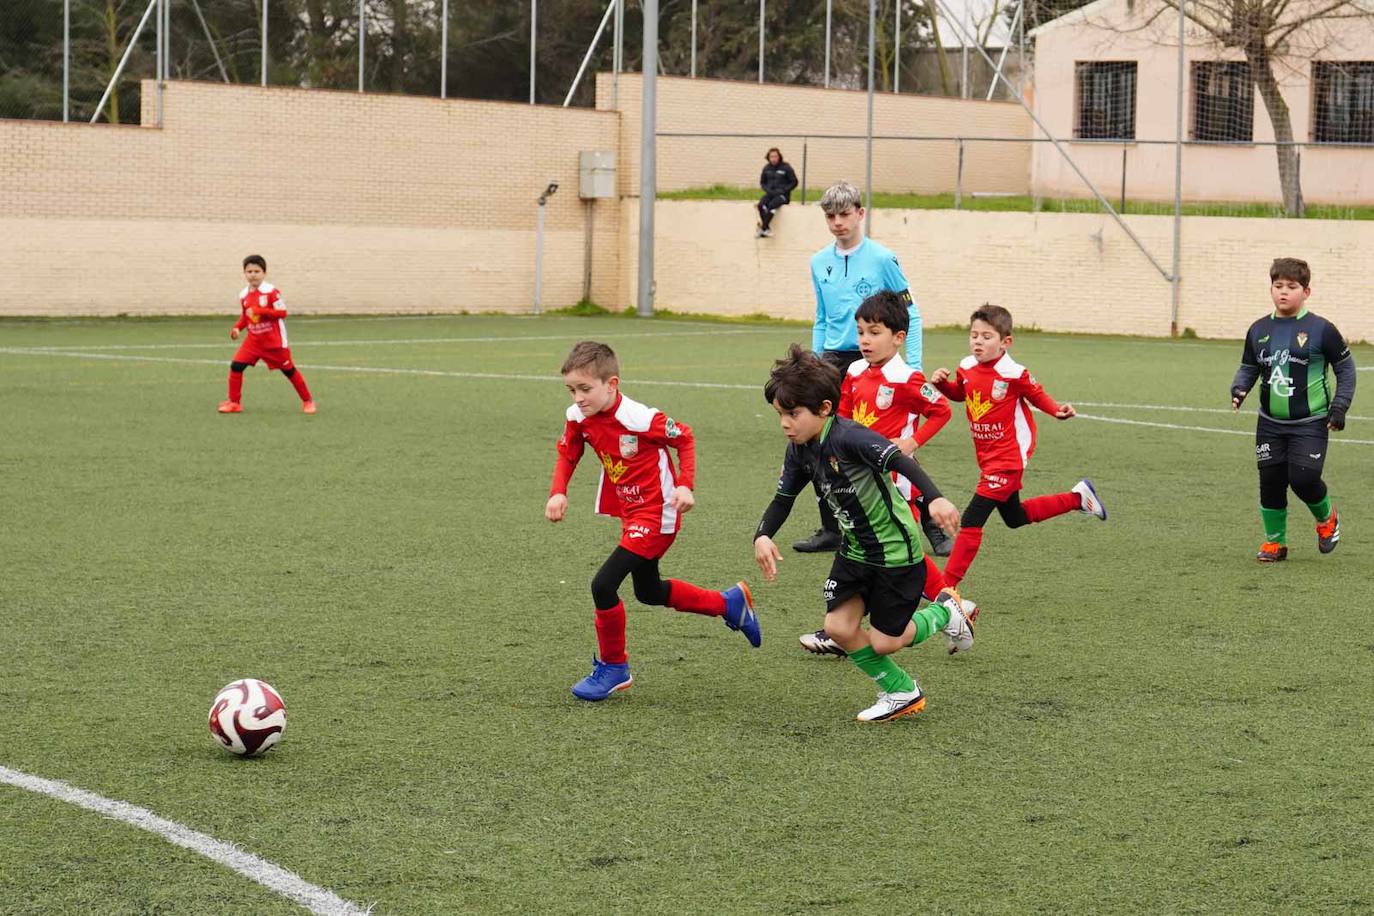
[364, 201]
[1055, 271]
[725, 106]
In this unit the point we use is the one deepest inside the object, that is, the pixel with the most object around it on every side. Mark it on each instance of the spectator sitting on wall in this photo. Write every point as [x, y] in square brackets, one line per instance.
[777, 182]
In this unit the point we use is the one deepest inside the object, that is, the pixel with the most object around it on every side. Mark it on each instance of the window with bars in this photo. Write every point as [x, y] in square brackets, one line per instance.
[1105, 100]
[1343, 101]
[1223, 102]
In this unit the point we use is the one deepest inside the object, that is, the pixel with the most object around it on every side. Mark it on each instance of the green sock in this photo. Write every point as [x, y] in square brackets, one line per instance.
[1321, 511]
[882, 670]
[1275, 525]
[929, 620]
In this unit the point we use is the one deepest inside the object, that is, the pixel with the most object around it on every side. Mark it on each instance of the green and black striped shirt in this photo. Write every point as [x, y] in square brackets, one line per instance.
[1289, 356]
[852, 466]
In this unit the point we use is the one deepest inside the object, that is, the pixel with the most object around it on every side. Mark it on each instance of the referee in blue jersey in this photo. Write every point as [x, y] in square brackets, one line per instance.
[844, 274]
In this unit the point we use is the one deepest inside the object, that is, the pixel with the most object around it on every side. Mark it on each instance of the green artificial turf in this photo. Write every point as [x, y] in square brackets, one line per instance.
[1150, 721]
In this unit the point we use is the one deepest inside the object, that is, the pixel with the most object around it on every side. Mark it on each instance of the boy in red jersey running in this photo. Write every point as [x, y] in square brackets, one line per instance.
[639, 486]
[880, 391]
[995, 390]
[263, 316]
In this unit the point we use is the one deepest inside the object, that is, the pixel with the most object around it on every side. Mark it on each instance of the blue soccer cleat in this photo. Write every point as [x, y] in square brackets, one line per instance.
[603, 681]
[739, 613]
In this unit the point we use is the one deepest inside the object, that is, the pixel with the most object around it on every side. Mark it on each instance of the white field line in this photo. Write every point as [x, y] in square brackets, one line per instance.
[382, 342]
[513, 377]
[273, 877]
[1176, 407]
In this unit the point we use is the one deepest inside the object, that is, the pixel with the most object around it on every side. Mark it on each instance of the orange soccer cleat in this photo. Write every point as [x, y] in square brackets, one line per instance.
[1329, 532]
[230, 407]
[1271, 552]
[308, 407]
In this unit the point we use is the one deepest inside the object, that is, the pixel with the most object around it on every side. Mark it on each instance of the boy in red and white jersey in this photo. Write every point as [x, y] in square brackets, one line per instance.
[640, 486]
[998, 392]
[263, 314]
[880, 391]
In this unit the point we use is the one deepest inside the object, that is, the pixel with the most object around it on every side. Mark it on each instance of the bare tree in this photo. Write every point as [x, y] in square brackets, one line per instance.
[1271, 33]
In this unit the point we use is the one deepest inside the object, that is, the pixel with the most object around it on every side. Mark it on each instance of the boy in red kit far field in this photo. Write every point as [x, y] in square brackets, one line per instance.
[997, 393]
[883, 393]
[639, 486]
[263, 315]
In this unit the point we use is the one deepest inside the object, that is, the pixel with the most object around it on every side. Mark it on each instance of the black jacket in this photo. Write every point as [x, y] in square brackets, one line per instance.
[778, 179]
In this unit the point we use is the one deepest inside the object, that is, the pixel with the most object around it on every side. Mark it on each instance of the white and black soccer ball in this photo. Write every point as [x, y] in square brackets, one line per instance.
[248, 717]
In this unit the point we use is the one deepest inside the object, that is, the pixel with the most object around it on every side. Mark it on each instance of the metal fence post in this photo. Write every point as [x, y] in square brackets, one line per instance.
[443, 54]
[534, 25]
[161, 63]
[694, 39]
[66, 59]
[868, 140]
[828, 10]
[539, 257]
[362, 43]
[1123, 178]
[959, 175]
[762, 4]
[803, 189]
[264, 42]
[897, 47]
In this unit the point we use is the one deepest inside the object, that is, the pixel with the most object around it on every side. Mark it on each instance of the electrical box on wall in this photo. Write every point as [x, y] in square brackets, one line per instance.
[596, 174]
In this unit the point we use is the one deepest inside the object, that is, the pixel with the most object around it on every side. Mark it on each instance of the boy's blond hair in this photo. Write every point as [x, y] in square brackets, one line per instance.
[592, 357]
[840, 197]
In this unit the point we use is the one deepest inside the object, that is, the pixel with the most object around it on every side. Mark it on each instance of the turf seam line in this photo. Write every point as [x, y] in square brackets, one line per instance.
[271, 876]
[513, 377]
[408, 341]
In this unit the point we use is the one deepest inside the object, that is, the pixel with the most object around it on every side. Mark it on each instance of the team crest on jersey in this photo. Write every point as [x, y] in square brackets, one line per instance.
[629, 446]
[614, 469]
[864, 288]
[999, 389]
[1302, 338]
[864, 415]
[834, 464]
[976, 406]
[885, 393]
[929, 393]
[670, 428]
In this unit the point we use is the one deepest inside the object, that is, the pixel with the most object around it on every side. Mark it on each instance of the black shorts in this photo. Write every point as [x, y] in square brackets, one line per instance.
[841, 359]
[1300, 444]
[890, 593]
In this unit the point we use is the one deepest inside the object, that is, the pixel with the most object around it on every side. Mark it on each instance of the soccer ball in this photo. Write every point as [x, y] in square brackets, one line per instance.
[247, 717]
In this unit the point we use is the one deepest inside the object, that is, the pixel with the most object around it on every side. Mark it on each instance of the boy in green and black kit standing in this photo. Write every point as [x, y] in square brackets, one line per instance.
[1288, 352]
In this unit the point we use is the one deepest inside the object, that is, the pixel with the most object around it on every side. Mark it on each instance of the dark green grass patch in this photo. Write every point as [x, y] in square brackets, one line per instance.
[1149, 722]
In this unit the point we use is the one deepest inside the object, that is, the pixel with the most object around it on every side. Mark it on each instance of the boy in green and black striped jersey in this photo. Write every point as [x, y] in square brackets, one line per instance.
[1288, 352]
[880, 570]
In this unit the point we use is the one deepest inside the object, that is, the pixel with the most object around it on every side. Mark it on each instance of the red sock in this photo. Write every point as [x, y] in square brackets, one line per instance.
[235, 386]
[1039, 508]
[298, 382]
[961, 557]
[610, 634]
[935, 580]
[684, 596]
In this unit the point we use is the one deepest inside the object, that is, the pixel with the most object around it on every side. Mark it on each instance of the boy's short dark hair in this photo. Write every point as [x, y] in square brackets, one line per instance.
[802, 379]
[255, 259]
[994, 315]
[1293, 269]
[593, 357]
[885, 308]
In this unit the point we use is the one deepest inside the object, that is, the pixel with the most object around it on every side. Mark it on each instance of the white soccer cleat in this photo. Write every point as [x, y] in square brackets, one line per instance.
[1087, 499]
[959, 631]
[894, 705]
[820, 643]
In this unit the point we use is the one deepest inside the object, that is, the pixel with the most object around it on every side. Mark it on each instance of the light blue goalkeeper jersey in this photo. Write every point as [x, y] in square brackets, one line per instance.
[843, 281]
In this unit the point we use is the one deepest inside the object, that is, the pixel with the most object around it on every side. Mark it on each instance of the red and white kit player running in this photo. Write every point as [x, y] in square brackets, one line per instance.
[639, 486]
[263, 315]
[997, 392]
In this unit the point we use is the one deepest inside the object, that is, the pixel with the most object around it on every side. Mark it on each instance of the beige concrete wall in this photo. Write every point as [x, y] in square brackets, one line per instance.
[359, 202]
[1055, 271]
[1112, 30]
[724, 106]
